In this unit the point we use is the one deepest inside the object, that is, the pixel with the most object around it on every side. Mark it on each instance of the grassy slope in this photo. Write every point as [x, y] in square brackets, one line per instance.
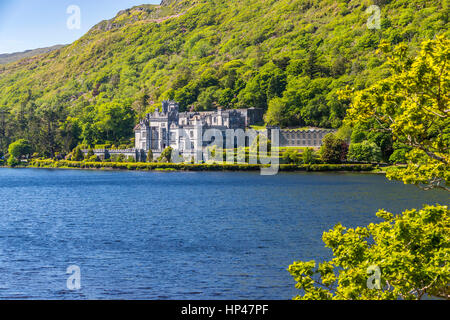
[12, 57]
[141, 55]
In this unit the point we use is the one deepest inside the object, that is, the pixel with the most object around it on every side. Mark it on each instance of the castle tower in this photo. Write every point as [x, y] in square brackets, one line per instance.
[142, 135]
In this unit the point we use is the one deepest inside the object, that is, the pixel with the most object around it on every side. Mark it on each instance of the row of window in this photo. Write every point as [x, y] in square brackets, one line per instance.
[304, 142]
[301, 136]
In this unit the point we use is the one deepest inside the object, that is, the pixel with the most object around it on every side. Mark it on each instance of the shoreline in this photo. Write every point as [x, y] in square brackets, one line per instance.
[183, 167]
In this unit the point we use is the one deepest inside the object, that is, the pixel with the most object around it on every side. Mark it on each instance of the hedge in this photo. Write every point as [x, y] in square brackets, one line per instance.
[195, 167]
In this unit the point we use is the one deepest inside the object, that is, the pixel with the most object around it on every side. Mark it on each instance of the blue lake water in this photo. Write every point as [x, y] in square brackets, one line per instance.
[142, 235]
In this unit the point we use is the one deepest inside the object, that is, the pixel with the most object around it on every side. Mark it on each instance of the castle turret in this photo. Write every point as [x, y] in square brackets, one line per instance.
[142, 135]
[165, 106]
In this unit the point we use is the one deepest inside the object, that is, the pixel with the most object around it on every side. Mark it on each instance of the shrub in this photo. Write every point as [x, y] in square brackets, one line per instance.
[364, 152]
[309, 156]
[94, 158]
[102, 146]
[292, 156]
[90, 153]
[77, 154]
[19, 149]
[166, 155]
[150, 156]
[12, 161]
[198, 167]
[399, 156]
[334, 150]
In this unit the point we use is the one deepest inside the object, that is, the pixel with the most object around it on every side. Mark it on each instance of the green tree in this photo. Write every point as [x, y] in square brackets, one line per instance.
[334, 150]
[166, 155]
[12, 162]
[93, 158]
[412, 105]
[207, 99]
[311, 67]
[70, 133]
[4, 115]
[364, 152]
[78, 155]
[372, 133]
[89, 134]
[292, 156]
[49, 131]
[115, 120]
[399, 156]
[276, 113]
[20, 148]
[268, 83]
[309, 156]
[410, 252]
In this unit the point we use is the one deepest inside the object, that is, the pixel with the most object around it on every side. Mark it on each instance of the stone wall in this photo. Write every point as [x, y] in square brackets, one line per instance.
[103, 154]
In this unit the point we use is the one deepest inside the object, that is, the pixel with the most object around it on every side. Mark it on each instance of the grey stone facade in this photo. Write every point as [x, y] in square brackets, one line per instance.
[161, 129]
[184, 132]
[303, 138]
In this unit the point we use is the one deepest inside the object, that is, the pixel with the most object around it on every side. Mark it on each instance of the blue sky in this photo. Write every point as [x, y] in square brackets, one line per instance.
[31, 24]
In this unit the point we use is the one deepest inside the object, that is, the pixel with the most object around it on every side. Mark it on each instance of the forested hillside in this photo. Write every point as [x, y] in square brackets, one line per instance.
[289, 57]
[11, 57]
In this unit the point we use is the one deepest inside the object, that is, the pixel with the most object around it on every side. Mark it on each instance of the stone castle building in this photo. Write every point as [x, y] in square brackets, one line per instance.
[161, 129]
[184, 131]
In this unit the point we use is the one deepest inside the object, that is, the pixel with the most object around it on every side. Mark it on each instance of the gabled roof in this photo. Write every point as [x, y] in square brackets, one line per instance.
[140, 126]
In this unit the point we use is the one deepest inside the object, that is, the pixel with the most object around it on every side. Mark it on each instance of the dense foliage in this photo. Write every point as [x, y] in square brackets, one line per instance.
[289, 57]
[365, 151]
[334, 149]
[19, 149]
[409, 252]
[406, 256]
[413, 106]
[166, 155]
